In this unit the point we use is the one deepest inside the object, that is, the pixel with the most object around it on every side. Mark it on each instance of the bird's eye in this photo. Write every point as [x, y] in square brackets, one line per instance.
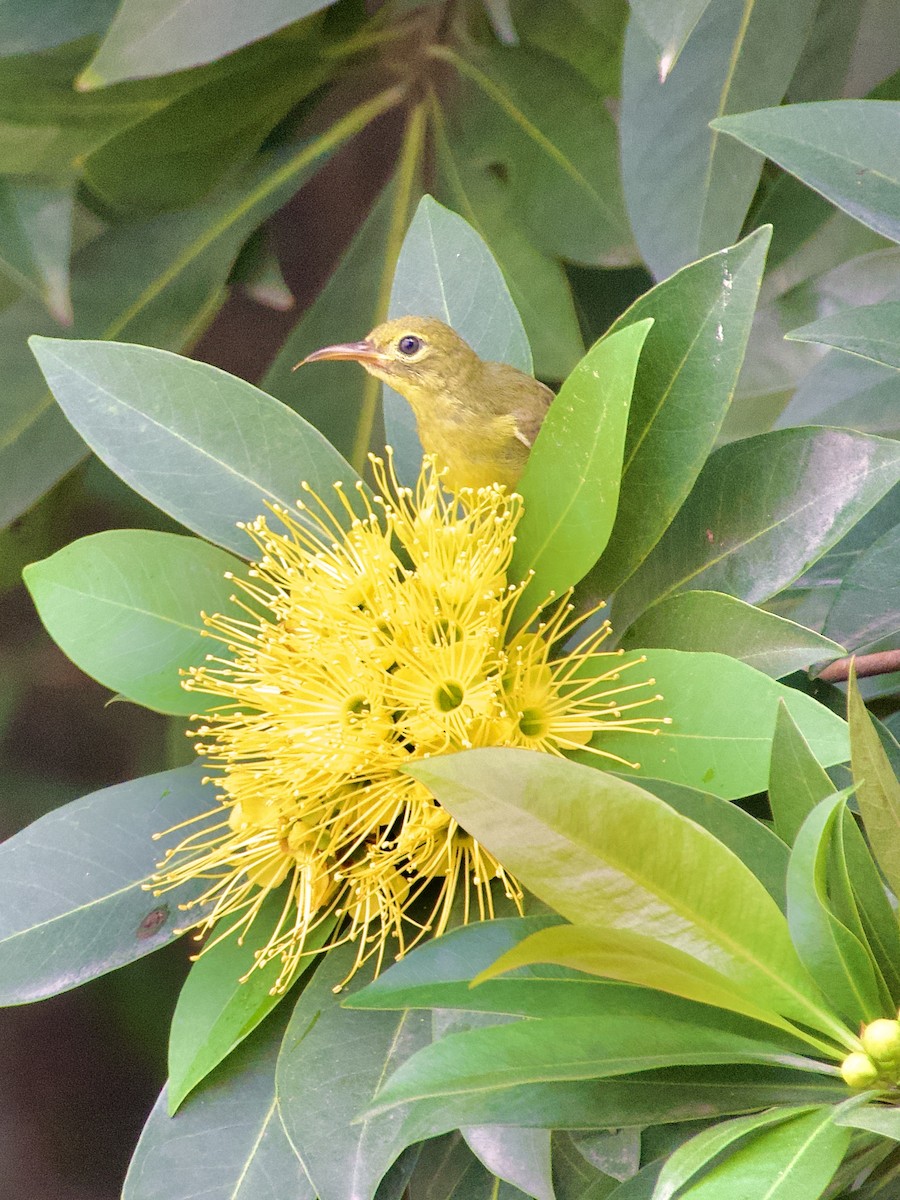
[409, 345]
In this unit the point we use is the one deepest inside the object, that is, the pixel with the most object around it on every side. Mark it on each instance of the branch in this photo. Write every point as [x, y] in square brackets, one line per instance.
[882, 663]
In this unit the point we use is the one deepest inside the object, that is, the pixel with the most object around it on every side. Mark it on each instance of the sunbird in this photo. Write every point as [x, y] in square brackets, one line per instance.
[479, 419]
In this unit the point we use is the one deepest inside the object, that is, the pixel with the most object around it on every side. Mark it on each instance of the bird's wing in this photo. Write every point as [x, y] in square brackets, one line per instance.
[529, 421]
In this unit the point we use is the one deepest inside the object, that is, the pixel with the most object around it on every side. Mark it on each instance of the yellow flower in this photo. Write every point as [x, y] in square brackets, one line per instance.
[355, 653]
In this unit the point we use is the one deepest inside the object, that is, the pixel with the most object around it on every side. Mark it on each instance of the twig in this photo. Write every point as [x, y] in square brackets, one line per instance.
[882, 663]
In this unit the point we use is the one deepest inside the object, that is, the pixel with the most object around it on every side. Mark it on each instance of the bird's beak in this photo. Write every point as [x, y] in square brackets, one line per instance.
[362, 352]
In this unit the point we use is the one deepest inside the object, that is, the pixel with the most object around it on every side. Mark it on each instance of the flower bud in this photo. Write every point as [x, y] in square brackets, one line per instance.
[881, 1041]
[858, 1071]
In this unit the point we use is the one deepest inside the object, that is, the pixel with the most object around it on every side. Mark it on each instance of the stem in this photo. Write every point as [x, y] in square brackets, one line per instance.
[883, 663]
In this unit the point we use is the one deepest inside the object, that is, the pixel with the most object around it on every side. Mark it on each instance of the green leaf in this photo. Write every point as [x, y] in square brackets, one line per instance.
[72, 898]
[228, 1143]
[204, 446]
[793, 1160]
[157, 37]
[694, 1154]
[125, 606]
[668, 24]
[521, 1157]
[877, 789]
[714, 622]
[876, 1118]
[845, 149]
[223, 999]
[835, 957]
[445, 270]
[866, 607]
[534, 121]
[722, 722]
[869, 332]
[35, 241]
[502, 1057]
[340, 399]
[797, 782]
[687, 189]
[587, 34]
[331, 1062]
[23, 30]
[685, 380]
[762, 510]
[586, 843]
[570, 484]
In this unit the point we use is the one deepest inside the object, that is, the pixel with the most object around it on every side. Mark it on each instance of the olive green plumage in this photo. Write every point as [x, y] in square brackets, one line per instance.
[478, 418]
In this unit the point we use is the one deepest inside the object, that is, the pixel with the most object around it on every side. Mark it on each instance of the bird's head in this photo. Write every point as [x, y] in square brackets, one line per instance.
[419, 356]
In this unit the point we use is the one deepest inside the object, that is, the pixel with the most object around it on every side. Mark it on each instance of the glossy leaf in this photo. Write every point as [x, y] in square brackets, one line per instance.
[569, 514]
[793, 1160]
[722, 722]
[125, 606]
[845, 149]
[228, 1143]
[836, 959]
[669, 25]
[519, 1156]
[331, 1063]
[204, 446]
[157, 37]
[687, 189]
[585, 842]
[877, 789]
[35, 241]
[761, 511]
[876, 1118]
[59, 21]
[73, 901]
[714, 622]
[445, 270]
[341, 399]
[866, 607]
[797, 782]
[685, 380]
[563, 1048]
[846, 391]
[869, 332]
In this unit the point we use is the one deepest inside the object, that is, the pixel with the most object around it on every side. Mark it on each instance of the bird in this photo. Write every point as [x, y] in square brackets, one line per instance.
[478, 419]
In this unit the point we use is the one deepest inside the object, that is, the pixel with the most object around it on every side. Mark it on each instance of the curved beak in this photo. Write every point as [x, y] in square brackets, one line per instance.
[362, 352]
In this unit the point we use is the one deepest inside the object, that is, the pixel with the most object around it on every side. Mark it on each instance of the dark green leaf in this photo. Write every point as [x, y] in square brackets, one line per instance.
[712, 621]
[845, 149]
[797, 782]
[35, 241]
[163, 36]
[24, 29]
[586, 843]
[125, 606]
[761, 511]
[228, 1143]
[73, 902]
[869, 332]
[722, 721]
[445, 270]
[587, 34]
[835, 957]
[331, 1063]
[878, 789]
[570, 484]
[688, 189]
[448, 1170]
[866, 607]
[685, 381]
[206, 447]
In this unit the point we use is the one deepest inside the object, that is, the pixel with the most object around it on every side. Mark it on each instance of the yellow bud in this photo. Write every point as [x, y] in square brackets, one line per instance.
[881, 1041]
[858, 1071]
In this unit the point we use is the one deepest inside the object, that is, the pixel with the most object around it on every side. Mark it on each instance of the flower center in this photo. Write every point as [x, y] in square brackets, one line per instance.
[356, 709]
[448, 696]
[533, 723]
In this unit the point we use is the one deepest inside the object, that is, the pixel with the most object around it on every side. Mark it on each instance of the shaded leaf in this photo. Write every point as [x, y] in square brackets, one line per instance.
[877, 789]
[866, 607]
[73, 901]
[569, 514]
[668, 25]
[206, 447]
[125, 606]
[35, 241]
[762, 510]
[23, 30]
[519, 1156]
[228, 1143]
[869, 332]
[587, 34]
[714, 622]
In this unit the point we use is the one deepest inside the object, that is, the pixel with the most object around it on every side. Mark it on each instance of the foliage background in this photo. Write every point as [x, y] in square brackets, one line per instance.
[145, 197]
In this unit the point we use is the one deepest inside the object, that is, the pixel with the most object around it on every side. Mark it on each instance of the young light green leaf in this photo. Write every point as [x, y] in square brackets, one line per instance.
[569, 514]
[877, 788]
[834, 956]
[586, 843]
[125, 606]
[762, 510]
[797, 782]
[845, 149]
[73, 897]
[204, 446]
[714, 622]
